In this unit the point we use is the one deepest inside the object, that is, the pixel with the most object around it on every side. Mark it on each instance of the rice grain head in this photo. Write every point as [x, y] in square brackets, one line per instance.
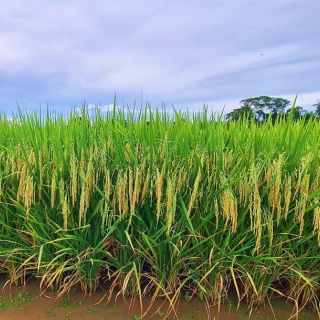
[229, 208]
[170, 203]
[316, 219]
[73, 179]
[53, 190]
[159, 187]
[287, 197]
[194, 193]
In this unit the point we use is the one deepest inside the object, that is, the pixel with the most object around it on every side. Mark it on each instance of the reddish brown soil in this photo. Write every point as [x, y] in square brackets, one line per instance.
[26, 304]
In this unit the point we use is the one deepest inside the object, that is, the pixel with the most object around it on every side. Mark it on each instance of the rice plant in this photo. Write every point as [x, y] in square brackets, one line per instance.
[150, 204]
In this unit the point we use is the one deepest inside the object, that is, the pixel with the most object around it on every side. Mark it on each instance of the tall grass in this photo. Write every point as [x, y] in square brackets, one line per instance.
[158, 205]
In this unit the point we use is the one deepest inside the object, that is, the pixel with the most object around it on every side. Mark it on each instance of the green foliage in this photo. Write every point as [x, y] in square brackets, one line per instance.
[16, 302]
[263, 108]
[298, 112]
[244, 113]
[264, 103]
[148, 204]
[317, 112]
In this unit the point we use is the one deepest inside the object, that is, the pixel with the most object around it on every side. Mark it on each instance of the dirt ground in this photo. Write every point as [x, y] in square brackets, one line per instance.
[26, 303]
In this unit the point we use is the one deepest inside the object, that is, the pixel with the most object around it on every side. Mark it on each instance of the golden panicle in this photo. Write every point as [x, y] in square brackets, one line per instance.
[61, 191]
[228, 160]
[28, 196]
[170, 203]
[194, 193]
[275, 188]
[128, 152]
[316, 182]
[256, 211]
[41, 176]
[136, 190]
[7, 162]
[181, 180]
[65, 212]
[305, 162]
[31, 158]
[305, 184]
[297, 184]
[107, 185]
[212, 164]
[82, 205]
[159, 187]
[114, 194]
[53, 190]
[13, 165]
[302, 201]
[109, 143]
[255, 208]
[300, 211]
[82, 162]
[268, 174]
[121, 193]
[146, 186]
[208, 167]
[243, 191]
[124, 195]
[137, 186]
[18, 165]
[316, 219]
[130, 189]
[73, 179]
[229, 208]
[164, 148]
[191, 159]
[287, 196]
[83, 192]
[89, 182]
[23, 173]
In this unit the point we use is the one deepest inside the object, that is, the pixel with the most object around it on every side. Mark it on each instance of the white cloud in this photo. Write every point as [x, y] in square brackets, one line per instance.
[180, 52]
[307, 100]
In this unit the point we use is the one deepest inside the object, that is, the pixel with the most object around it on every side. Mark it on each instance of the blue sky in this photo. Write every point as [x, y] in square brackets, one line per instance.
[178, 52]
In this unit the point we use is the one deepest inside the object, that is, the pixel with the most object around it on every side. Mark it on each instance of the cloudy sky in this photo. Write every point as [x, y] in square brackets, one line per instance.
[183, 53]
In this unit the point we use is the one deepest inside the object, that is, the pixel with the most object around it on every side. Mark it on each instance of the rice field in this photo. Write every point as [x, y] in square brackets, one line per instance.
[147, 204]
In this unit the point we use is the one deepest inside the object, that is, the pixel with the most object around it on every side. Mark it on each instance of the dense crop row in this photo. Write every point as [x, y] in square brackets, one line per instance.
[150, 205]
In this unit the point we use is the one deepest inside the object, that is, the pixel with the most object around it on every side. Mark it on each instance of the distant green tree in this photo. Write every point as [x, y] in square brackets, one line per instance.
[278, 105]
[299, 113]
[296, 112]
[260, 115]
[262, 104]
[317, 112]
[244, 112]
[309, 115]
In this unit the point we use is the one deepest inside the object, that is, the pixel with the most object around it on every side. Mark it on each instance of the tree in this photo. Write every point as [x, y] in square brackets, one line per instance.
[244, 112]
[295, 112]
[309, 115]
[260, 104]
[278, 105]
[299, 113]
[317, 112]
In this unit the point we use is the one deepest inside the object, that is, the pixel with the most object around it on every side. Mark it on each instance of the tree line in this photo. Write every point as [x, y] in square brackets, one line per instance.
[263, 107]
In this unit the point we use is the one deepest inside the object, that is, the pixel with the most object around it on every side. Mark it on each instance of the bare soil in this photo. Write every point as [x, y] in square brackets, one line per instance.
[26, 303]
